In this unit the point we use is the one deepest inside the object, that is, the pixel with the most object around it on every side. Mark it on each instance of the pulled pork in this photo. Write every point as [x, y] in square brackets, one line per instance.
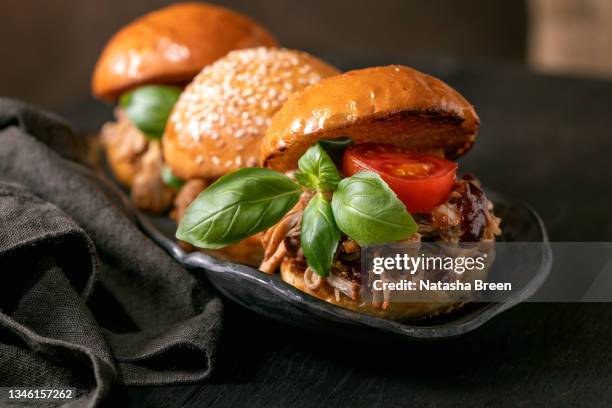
[467, 216]
[185, 196]
[284, 238]
[149, 192]
[137, 163]
[124, 145]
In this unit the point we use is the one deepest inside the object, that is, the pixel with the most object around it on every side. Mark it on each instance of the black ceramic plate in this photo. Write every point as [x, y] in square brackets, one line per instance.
[270, 296]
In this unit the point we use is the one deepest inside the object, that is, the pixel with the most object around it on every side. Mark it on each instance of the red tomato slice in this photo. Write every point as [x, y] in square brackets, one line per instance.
[421, 181]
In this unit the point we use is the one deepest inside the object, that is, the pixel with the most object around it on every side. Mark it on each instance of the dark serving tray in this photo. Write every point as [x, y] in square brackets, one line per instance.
[271, 297]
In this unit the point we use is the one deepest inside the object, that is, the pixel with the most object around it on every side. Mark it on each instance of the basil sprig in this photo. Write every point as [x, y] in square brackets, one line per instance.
[320, 235]
[236, 206]
[248, 201]
[335, 148]
[367, 210]
[149, 106]
[317, 170]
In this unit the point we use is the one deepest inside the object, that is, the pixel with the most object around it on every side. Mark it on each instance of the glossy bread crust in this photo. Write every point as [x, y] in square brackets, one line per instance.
[391, 104]
[249, 251]
[291, 273]
[220, 119]
[172, 45]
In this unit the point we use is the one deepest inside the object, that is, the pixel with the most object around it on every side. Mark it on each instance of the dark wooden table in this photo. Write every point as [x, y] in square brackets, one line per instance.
[544, 140]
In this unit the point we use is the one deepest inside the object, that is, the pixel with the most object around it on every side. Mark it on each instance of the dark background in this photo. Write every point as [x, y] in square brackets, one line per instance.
[49, 48]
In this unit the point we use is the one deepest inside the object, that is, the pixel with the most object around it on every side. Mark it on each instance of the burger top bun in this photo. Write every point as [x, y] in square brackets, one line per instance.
[392, 104]
[171, 46]
[221, 117]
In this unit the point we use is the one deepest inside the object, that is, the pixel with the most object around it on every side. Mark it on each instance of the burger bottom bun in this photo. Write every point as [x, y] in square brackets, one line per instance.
[249, 251]
[292, 272]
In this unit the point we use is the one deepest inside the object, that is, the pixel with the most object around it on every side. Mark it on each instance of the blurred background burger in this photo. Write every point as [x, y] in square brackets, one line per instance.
[143, 67]
[222, 116]
[196, 87]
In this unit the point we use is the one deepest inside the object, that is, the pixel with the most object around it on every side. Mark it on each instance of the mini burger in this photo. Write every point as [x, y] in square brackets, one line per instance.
[221, 118]
[143, 68]
[365, 157]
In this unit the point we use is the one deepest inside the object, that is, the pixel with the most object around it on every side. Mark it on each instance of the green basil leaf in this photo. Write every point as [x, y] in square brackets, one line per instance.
[320, 235]
[170, 179]
[339, 143]
[307, 180]
[317, 170]
[149, 106]
[236, 206]
[367, 210]
[335, 148]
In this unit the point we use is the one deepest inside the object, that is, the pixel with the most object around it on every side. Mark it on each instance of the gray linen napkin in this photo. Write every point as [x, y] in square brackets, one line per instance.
[86, 300]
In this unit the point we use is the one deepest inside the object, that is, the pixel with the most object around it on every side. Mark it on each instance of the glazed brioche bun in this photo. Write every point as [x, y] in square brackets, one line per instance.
[171, 45]
[392, 104]
[219, 120]
[292, 273]
[249, 251]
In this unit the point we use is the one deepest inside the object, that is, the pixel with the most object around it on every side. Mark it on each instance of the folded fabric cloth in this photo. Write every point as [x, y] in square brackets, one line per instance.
[86, 299]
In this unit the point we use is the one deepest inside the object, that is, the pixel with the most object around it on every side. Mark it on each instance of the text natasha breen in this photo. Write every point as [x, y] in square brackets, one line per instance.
[424, 285]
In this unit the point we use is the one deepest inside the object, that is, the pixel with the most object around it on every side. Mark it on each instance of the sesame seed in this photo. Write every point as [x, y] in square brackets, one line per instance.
[236, 97]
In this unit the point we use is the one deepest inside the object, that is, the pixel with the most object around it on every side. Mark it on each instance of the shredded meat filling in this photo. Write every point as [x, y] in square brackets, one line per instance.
[124, 144]
[149, 192]
[185, 196]
[466, 217]
[137, 163]
[312, 280]
[345, 286]
[274, 241]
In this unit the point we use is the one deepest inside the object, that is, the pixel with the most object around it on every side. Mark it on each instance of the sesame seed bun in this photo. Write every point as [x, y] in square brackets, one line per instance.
[219, 120]
[392, 104]
[171, 45]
